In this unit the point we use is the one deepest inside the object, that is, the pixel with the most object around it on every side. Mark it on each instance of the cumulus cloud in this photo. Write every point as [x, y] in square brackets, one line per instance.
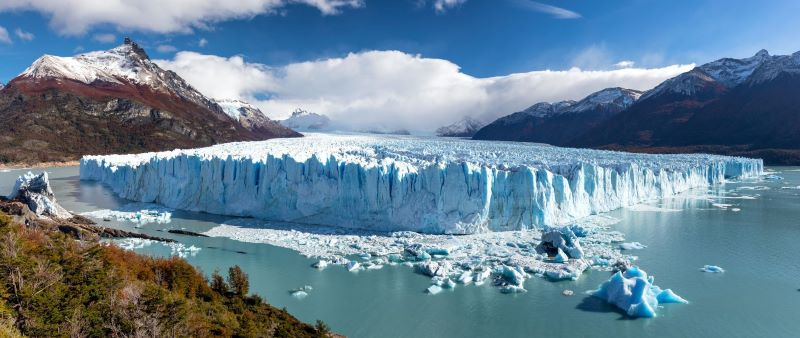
[395, 90]
[74, 17]
[23, 35]
[625, 64]
[202, 42]
[556, 12]
[442, 6]
[4, 37]
[166, 49]
[105, 38]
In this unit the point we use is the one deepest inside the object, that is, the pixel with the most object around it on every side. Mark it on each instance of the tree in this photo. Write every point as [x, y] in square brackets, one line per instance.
[218, 283]
[322, 329]
[238, 281]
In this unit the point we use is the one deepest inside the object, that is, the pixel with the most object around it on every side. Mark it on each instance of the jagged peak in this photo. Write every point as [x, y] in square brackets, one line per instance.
[134, 47]
[762, 53]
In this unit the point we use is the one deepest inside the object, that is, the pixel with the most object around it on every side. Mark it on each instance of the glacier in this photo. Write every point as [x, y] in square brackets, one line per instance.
[394, 183]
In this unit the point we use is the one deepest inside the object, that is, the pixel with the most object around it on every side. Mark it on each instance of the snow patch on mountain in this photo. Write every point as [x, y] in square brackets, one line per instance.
[466, 127]
[304, 121]
[236, 108]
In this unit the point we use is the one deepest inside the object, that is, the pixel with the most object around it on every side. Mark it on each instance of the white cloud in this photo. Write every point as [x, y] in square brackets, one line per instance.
[105, 38]
[23, 35]
[392, 89]
[4, 37]
[166, 49]
[74, 17]
[442, 6]
[556, 12]
[202, 42]
[625, 64]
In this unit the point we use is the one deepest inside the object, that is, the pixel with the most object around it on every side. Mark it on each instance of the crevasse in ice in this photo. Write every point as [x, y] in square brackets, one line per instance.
[391, 183]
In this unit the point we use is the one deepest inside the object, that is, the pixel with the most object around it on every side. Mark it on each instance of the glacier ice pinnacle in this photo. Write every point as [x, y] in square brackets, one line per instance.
[391, 183]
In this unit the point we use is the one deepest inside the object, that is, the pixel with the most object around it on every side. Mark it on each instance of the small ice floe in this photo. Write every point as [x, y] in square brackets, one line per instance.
[181, 250]
[320, 264]
[481, 277]
[791, 188]
[633, 292]
[712, 269]
[510, 279]
[353, 266]
[736, 209]
[568, 292]
[722, 206]
[754, 188]
[650, 208]
[772, 177]
[301, 292]
[632, 246]
[434, 289]
[133, 243]
[465, 278]
[138, 213]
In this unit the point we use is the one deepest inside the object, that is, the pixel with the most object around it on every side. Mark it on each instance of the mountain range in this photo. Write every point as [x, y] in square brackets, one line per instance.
[747, 107]
[115, 101]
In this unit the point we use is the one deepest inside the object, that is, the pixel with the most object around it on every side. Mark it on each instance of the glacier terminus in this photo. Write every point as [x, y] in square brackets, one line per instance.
[407, 183]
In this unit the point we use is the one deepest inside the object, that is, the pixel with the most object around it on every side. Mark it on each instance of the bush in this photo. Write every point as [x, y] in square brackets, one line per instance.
[54, 286]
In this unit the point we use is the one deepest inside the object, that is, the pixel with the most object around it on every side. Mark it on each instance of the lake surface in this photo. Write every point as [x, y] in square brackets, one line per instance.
[757, 296]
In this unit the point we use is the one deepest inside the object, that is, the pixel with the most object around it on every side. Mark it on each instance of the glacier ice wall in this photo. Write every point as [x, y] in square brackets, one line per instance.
[406, 183]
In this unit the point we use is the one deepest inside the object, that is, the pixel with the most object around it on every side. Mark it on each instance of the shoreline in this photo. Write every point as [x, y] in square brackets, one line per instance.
[16, 166]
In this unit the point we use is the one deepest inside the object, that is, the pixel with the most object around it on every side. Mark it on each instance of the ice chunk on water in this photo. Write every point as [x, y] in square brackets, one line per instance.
[353, 266]
[320, 264]
[712, 269]
[512, 275]
[427, 185]
[632, 246]
[434, 289]
[560, 240]
[139, 213]
[299, 294]
[633, 292]
[465, 278]
[482, 276]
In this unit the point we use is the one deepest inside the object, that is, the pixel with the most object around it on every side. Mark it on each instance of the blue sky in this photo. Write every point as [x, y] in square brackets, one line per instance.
[484, 38]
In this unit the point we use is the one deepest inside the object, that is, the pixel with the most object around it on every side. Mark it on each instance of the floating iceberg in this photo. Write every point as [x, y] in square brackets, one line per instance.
[633, 292]
[138, 213]
[712, 269]
[392, 183]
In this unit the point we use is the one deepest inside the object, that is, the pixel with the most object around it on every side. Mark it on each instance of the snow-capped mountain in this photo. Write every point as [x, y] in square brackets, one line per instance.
[466, 127]
[557, 123]
[112, 101]
[247, 115]
[306, 121]
[609, 99]
[122, 65]
[746, 106]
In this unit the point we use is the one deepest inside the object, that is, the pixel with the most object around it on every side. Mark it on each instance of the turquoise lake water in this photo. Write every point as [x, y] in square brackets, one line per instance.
[757, 296]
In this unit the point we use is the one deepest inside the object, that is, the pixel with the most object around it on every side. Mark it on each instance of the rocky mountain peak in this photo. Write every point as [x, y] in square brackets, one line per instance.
[135, 48]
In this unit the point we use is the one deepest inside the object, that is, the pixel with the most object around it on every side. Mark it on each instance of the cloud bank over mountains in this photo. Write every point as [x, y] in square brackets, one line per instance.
[390, 90]
[76, 17]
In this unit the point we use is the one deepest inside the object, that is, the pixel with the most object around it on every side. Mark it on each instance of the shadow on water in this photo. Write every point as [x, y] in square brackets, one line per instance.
[597, 305]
